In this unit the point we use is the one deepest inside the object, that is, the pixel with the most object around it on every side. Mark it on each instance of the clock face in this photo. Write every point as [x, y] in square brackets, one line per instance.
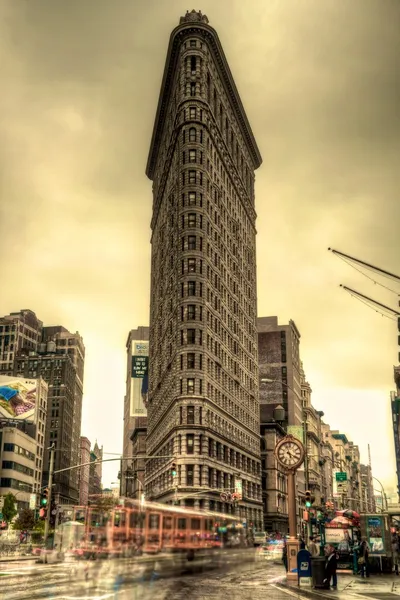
[290, 454]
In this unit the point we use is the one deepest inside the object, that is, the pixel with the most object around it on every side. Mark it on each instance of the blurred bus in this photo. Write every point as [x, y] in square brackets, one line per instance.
[151, 528]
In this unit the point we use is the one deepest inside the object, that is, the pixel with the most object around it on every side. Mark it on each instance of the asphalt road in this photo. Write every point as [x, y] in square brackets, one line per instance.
[99, 581]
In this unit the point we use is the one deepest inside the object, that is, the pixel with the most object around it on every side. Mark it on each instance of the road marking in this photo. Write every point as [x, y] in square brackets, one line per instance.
[297, 594]
[289, 592]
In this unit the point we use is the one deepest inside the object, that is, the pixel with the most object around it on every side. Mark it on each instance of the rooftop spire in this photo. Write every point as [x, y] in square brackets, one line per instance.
[193, 16]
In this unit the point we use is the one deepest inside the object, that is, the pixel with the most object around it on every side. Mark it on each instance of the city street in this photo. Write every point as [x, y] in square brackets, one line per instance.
[99, 581]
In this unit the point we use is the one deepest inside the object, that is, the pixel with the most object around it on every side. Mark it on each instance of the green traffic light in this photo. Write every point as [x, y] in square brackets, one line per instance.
[44, 501]
[173, 473]
[308, 504]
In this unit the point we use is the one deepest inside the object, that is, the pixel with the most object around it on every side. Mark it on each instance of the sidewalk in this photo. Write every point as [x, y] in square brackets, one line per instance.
[352, 586]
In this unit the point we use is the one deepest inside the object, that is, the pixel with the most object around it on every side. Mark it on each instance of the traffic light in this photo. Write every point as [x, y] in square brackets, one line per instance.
[42, 513]
[173, 470]
[45, 497]
[308, 499]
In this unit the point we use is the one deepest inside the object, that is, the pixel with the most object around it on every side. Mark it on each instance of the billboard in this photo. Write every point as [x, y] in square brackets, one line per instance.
[139, 378]
[18, 398]
[376, 535]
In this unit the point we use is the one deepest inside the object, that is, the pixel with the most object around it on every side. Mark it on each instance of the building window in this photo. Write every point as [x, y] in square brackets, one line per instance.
[191, 312]
[190, 386]
[191, 288]
[191, 360]
[192, 114]
[191, 336]
[183, 157]
[192, 156]
[193, 43]
[191, 265]
[192, 176]
[192, 242]
[192, 220]
[190, 443]
[192, 136]
[192, 89]
[189, 474]
[190, 415]
[192, 198]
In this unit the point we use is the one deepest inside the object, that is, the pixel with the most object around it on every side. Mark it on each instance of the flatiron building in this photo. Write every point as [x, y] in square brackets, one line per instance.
[203, 406]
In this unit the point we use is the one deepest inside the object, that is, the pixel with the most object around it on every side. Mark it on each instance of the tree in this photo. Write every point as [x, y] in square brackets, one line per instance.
[25, 521]
[9, 508]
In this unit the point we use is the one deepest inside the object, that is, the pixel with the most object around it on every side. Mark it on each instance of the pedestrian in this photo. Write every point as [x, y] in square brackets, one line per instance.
[312, 547]
[331, 568]
[395, 552]
[284, 555]
[363, 553]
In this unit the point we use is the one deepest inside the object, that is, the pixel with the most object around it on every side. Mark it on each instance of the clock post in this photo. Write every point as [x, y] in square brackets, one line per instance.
[290, 454]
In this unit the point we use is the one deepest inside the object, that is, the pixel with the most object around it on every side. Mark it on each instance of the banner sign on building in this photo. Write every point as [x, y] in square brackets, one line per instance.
[18, 398]
[140, 366]
[239, 489]
[139, 378]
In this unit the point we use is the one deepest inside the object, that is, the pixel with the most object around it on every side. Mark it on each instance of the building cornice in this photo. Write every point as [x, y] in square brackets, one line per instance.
[210, 35]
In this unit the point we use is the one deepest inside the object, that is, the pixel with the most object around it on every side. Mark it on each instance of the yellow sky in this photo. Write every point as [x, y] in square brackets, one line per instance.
[319, 81]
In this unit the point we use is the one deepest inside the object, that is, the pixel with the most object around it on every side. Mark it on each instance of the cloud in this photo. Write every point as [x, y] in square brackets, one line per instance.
[320, 83]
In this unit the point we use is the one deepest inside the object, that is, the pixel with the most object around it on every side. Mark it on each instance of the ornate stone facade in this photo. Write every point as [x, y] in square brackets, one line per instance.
[203, 387]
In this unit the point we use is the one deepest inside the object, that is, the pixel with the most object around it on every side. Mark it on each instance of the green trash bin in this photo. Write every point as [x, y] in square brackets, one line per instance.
[318, 572]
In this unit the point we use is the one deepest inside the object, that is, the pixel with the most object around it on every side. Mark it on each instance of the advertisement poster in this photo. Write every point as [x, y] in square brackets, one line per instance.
[376, 535]
[139, 378]
[336, 536]
[18, 399]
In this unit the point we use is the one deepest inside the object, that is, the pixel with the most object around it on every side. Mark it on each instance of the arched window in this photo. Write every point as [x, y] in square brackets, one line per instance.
[192, 134]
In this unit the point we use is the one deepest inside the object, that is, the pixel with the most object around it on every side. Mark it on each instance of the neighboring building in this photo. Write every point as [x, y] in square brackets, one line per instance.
[17, 472]
[313, 434]
[395, 405]
[95, 471]
[84, 471]
[203, 385]
[19, 331]
[135, 413]
[27, 349]
[328, 466]
[273, 480]
[28, 418]
[71, 345]
[346, 459]
[367, 490]
[279, 362]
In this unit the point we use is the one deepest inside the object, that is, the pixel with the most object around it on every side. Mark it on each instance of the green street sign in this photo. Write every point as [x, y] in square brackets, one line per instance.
[340, 476]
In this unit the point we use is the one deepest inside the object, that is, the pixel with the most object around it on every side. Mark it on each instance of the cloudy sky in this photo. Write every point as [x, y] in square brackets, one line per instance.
[320, 81]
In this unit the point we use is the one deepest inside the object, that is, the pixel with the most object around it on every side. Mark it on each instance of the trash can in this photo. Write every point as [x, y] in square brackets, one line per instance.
[318, 572]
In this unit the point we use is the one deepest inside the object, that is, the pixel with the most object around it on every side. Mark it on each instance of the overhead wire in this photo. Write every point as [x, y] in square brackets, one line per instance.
[371, 307]
[367, 276]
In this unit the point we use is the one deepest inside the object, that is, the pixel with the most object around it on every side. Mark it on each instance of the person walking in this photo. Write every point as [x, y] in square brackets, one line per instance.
[331, 568]
[363, 560]
[395, 552]
[312, 547]
[284, 555]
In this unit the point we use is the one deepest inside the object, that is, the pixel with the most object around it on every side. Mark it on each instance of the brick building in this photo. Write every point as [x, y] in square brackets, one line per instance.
[203, 383]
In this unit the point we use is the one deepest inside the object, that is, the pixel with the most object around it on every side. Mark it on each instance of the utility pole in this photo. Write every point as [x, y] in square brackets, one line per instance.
[48, 513]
